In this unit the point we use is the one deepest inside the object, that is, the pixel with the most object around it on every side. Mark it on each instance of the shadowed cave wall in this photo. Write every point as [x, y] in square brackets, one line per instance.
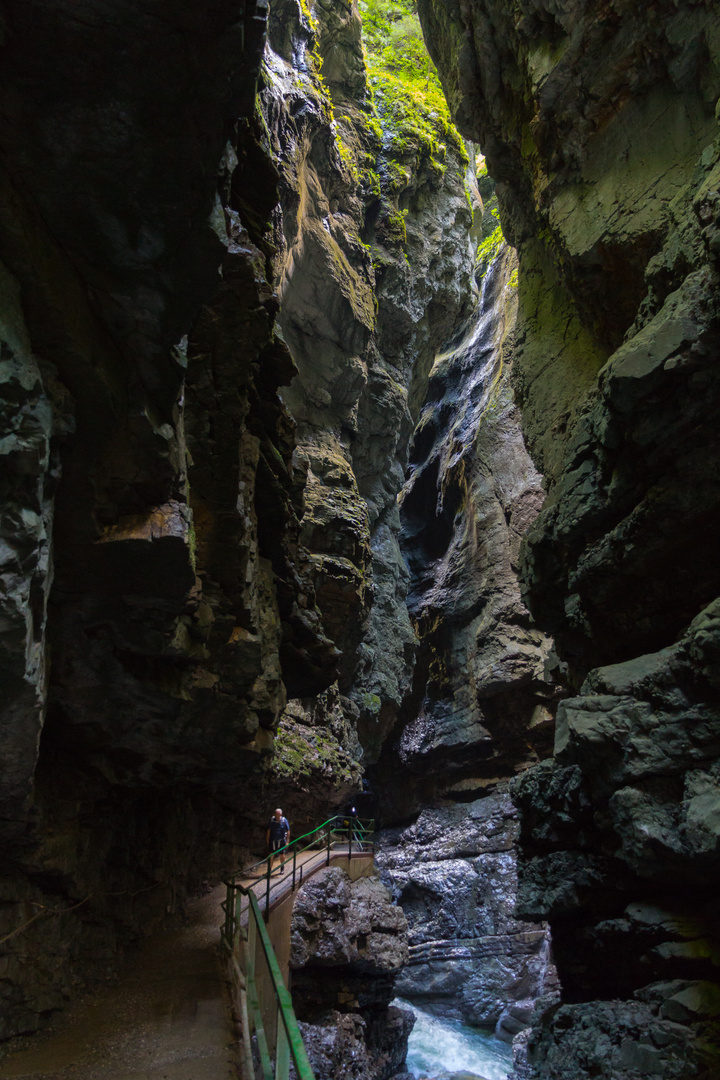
[599, 125]
[205, 607]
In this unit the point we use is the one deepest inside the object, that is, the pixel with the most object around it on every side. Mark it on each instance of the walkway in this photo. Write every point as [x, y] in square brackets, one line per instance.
[167, 1016]
[307, 864]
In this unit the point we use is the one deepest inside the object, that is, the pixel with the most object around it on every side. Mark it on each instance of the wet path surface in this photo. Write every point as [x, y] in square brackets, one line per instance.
[167, 1017]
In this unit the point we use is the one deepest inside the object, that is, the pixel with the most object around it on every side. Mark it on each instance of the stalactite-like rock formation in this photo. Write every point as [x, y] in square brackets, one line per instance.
[599, 125]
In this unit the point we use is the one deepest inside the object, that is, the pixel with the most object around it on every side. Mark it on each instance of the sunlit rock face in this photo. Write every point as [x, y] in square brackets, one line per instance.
[484, 694]
[598, 123]
[366, 301]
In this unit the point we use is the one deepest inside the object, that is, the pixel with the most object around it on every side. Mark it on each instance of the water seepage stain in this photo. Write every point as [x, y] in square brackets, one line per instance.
[449, 1050]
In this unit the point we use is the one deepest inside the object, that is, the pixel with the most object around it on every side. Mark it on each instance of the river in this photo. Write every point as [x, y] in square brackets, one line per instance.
[439, 1047]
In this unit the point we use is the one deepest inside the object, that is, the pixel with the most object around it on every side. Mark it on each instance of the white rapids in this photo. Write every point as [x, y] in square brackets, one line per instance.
[441, 1047]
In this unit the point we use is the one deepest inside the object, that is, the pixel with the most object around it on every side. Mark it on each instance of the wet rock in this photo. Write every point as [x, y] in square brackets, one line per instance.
[337, 923]
[348, 944]
[314, 764]
[190, 513]
[345, 1047]
[483, 699]
[613, 1039]
[620, 836]
[359, 372]
[614, 376]
[455, 875]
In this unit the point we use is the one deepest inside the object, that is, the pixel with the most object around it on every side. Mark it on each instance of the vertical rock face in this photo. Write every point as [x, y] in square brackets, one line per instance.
[158, 607]
[374, 260]
[30, 476]
[454, 873]
[483, 697]
[200, 530]
[598, 122]
[348, 944]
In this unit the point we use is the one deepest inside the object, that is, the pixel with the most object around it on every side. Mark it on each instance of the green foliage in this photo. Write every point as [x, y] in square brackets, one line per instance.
[371, 702]
[393, 37]
[488, 250]
[400, 68]
[416, 129]
[302, 752]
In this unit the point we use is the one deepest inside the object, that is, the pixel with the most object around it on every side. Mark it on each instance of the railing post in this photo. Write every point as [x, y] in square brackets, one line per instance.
[238, 912]
[328, 844]
[282, 1050]
[267, 889]
[294, 865]
[252, 935]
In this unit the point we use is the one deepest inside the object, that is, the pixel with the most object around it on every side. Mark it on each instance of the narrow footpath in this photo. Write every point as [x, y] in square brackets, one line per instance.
[167, 1016]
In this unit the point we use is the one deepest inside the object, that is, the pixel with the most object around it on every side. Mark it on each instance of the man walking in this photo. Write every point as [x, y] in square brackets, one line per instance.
[278, 835]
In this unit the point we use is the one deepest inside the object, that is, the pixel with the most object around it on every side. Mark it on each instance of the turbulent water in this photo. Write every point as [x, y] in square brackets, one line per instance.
[440, 1047]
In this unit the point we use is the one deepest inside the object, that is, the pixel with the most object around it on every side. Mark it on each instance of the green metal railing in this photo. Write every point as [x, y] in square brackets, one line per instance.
[335, 835]
[288, 1040]
[267, 1005]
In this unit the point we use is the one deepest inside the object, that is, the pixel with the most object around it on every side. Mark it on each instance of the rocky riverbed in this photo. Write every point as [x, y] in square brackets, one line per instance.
[454, 873]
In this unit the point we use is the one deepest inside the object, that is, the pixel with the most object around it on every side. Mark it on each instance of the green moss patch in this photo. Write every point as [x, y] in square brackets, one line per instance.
[302, 752]
[416, 131]
[487, 251]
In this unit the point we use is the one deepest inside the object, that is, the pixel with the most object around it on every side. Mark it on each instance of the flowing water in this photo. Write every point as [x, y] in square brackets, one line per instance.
[441, 1047]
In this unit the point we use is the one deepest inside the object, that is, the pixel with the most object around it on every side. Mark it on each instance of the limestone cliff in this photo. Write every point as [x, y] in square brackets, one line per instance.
[200, 568]
[349, 942]
[598, 122]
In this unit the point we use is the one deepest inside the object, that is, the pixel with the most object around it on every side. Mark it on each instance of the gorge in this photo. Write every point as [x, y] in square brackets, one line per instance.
[360, 441]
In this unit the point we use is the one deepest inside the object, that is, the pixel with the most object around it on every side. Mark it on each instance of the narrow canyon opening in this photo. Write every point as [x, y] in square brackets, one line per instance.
[360, 398]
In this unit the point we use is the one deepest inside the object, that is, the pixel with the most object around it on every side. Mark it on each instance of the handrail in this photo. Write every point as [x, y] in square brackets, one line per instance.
[366, 826]
[288, 1040]
[337, 830]
[279, 1019]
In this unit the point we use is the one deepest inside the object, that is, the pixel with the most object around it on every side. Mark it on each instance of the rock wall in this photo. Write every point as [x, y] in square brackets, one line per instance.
[201, 569]
[598, 122]
[348, 944]
[159, 605]
[374, 262]
[454, 874]
[486, 682]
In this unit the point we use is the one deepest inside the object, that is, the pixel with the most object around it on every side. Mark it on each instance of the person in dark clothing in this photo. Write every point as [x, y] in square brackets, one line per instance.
[278, 835]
